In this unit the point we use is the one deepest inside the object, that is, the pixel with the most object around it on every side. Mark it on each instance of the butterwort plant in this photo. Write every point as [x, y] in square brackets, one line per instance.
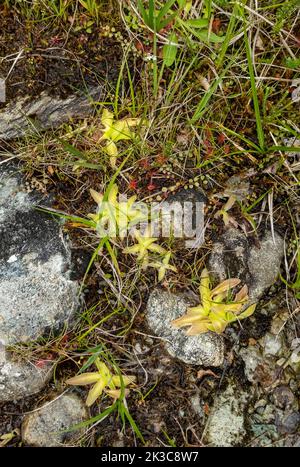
[103, 381]
[115, 131]
[218, 307]
[115, 216]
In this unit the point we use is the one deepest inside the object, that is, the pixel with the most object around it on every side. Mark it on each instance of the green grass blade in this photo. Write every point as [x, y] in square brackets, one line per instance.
[143, 13]
[259, 127]
[124, 411]
[92, 420]
[151, 15]
[170, 50]
[164, 10]
[91, 262]
[202, 106]
[284, 149]
[165, 21]
[228, 37]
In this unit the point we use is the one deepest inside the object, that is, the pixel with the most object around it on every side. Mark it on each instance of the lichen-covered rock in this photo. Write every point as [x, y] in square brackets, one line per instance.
[276, 419]
[261, 359]
[20, 379]
[19, 118]
[204, 349]
[259, 369]
[47, 426]
[36, 293]
[234, 255]
[226, 424]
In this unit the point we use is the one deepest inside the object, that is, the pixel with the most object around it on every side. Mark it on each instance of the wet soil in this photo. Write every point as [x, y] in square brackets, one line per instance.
[51, 56]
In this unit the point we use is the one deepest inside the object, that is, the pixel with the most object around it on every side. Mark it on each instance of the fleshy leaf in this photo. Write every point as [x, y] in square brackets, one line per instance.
[242, 295]
[248, 312]
[98, 197]
[126, 380]
[116, 393]
[107, 118]
[96, 391]
[213, 314]
[225, 286]
[83, 379]
[205, 289]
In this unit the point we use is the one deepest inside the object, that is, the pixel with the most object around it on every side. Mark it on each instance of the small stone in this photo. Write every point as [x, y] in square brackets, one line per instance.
[292, 142]
[290, 423]
[45, 427]
[188, 205]
[204, 349]
[279, 321]
[260, 404]
[20, 379]
[238, 187]
[273, 345]
[258, 368]
[268, 415]
[283, 397]
[197, 407]
[226, 425]
[252, 357]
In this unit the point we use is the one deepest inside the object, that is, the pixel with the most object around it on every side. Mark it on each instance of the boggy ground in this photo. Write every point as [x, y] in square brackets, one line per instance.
[195, 137]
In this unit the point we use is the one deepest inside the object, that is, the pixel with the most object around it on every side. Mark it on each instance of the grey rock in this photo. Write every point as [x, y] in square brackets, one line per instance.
[190, 195]
[204, 349]
[226, 424]
[283, 397]
[36, 293]
[26, 115]
[257, 266]
[258, 368]
[43, 428]
[273, 344]
[20, 379]
[290, 423]
[252, 357]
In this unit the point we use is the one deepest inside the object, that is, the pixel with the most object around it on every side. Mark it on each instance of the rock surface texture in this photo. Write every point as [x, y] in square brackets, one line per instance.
[45, 426]
[20, 379]
[226, 421]
[21, 117]
[37, 295]
[205, 349]
[257, 265]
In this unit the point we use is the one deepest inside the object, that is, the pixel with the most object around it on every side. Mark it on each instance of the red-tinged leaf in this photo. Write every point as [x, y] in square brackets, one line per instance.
[132, 185]
[216, 24]
[221, 138]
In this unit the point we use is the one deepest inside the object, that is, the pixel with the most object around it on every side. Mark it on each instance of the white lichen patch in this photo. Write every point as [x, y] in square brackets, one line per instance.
[226, 421]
